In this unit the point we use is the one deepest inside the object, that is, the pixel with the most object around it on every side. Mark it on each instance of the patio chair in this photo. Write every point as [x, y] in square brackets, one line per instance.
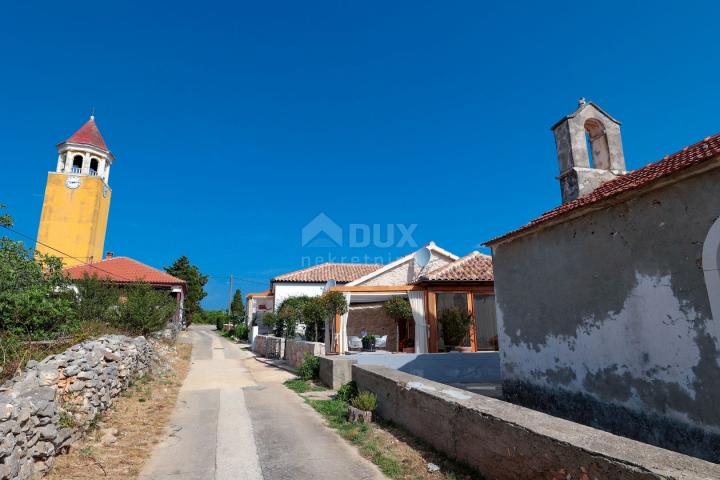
[354, 343]
[381, 342]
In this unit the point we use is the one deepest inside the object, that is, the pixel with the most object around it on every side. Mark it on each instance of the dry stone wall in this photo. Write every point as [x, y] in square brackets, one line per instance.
[46, 408]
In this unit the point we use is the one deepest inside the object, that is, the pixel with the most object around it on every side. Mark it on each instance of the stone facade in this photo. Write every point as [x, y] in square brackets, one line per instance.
[506, 442]
[372, 318]
[47, 407]
[269, 346]
[407, 272]
[612, 309]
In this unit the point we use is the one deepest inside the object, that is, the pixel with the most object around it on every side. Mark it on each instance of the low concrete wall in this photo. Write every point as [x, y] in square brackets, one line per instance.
[295, 351]
[45, 408]
[455, 367]
[269, 346]
[335, 370]
[451, 368]
[506, 441]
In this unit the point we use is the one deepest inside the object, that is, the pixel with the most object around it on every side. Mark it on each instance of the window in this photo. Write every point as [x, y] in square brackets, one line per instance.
[93, 166]
[453, 325]
[485, 322]
[77, 163]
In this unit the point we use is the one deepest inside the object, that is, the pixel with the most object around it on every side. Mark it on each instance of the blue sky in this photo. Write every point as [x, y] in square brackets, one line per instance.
[236, 123]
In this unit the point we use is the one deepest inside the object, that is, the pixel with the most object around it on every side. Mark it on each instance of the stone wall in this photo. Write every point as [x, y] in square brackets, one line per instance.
[295, 351]
[505, 442]
[372, 318]
[45, 408]
[613, 307]
[269, 346]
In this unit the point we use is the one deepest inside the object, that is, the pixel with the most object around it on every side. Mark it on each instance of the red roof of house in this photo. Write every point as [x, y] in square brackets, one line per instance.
[89, 134]
[474, 267]
[266, 293]
[340, 272]
[684, 159]
[124, 270]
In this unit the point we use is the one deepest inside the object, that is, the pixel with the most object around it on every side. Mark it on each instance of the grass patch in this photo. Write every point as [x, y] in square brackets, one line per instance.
[397, 454]
[303, 386]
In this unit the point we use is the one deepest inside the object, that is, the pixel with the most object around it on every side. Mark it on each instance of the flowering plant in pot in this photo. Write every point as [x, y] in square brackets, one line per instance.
[456, 330]
[368, 343]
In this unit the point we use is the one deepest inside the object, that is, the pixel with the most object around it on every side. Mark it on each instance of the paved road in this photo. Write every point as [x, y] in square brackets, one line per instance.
[235, 420]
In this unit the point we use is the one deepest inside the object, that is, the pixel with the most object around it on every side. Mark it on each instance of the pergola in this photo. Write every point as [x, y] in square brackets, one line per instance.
[422, 299]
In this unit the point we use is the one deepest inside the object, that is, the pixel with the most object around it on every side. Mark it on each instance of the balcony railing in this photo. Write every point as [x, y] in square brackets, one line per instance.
[92, 173]
[75, 169]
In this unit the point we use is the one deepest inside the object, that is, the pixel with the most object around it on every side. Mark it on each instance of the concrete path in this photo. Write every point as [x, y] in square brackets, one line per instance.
[235, 420]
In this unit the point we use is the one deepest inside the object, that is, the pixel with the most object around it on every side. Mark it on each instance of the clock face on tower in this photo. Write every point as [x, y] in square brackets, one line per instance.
[72, 182]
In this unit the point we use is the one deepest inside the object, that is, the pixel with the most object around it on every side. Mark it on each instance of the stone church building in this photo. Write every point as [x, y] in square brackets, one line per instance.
[608, 306]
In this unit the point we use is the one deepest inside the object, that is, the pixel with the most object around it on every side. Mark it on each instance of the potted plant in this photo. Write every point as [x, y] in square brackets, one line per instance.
[409, 346]
[456, 330]
[368, 343]
[362, 406]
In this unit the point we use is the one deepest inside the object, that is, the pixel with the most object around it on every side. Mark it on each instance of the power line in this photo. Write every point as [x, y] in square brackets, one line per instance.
[65, 255]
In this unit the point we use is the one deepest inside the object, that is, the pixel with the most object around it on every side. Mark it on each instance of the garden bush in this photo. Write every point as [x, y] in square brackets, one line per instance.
[145, 309]
[241, 331]
[309, 369]
[365, 400]
[347, 391]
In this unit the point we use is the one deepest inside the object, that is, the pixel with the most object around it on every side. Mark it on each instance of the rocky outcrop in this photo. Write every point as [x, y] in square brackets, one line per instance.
[48, 406]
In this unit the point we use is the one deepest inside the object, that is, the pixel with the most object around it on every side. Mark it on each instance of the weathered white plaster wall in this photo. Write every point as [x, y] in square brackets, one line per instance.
[615, 305]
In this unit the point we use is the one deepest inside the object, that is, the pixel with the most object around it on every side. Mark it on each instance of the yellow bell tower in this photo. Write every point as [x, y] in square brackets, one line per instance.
[77, 199]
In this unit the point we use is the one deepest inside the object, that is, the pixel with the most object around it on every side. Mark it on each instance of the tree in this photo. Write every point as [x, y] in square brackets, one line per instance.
[237, 309]
[314, 313]
[35, 294]
[145, 310]
[196, 281]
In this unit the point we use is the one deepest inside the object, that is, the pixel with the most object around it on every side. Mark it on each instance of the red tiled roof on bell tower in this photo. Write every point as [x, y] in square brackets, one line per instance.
[89, 135]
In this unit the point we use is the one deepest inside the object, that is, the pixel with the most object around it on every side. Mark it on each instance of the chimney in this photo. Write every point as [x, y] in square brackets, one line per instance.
[108, 255]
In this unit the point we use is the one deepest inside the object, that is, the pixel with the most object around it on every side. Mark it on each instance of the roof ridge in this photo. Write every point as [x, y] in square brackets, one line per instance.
[686, 157]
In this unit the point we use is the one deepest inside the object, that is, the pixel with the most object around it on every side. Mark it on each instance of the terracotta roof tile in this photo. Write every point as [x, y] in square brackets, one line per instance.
[89, 134]
[266, 293]
[475, 267]
[685, 158]
[340, 272]
[124, 270]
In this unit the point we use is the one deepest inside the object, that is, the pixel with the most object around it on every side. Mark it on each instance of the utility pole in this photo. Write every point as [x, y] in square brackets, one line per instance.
[230, 298]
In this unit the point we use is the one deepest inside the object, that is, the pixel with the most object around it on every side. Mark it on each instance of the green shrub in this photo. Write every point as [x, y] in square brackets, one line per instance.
[241, 331]
[347, 391]
[309, 369]
[365, 400]
[145, 310]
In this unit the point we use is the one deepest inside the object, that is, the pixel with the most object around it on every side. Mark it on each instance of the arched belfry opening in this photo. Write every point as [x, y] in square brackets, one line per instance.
[589, 150]
[94, 163]
[77, 163]
[597, 145]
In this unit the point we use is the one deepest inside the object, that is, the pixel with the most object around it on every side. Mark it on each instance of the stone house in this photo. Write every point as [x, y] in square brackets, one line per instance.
[608, 306]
